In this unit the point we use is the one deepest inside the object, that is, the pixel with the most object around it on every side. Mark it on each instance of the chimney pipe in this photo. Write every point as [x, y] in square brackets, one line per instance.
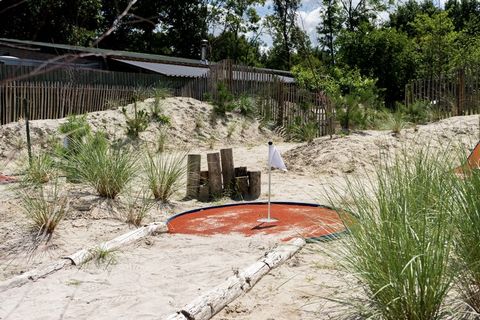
[204, 51]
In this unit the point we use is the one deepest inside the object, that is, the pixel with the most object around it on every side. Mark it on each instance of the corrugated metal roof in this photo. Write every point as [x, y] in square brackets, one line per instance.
[169, 69]
[106, 52]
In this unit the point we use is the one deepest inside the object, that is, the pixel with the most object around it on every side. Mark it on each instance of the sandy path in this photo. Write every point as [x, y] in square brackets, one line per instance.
[150, 280]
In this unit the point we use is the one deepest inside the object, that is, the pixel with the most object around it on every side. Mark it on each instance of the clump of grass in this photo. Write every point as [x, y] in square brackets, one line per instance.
[401, 234]
[105, 168]
[137, 207]
[246, 106]
[40, 169]
[75, 130]
[104, 256]
[468, 237]
[157, 108]
[136, 124]
[45, 208]
[231, 129]
[162, 139]
[164, 173]
[305, 132]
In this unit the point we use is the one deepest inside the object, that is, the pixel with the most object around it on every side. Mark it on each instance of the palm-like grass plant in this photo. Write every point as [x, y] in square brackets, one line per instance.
[105, 168]
[40, 169]
[164, 173]
[401, 237]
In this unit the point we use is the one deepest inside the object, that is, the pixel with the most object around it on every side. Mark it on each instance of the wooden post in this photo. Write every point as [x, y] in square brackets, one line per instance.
[241, 187]
[193, 175]
[203, 188]
[240, 171]
[214, 174]
[460, 93]
[254, 184]
[228, 169]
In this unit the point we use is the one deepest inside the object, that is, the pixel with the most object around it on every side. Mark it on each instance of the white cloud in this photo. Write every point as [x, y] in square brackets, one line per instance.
[308, 21]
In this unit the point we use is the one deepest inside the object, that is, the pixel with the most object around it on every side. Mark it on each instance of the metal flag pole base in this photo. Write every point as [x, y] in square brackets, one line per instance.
[267, 220]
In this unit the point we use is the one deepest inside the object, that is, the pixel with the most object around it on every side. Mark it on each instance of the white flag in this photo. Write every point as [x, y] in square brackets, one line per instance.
[274, 158]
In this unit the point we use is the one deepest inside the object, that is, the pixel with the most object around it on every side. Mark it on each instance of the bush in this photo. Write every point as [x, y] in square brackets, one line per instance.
[164, 173]
[305, 132]
[75, 129]
[157, 108]
[108, 170]
[223, 102]
[44, 208]
[40, 170]
[138, 123]
[401, 236]
[246, 106]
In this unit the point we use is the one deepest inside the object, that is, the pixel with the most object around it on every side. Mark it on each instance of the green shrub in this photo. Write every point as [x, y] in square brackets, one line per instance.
[157, 108]
[75, 130]
[401, 234]
[138, 123]
[105, 168]
[246, 106]
[418, 112]
[164, 173]
[304, 132]
[223, 102]
[45, 208]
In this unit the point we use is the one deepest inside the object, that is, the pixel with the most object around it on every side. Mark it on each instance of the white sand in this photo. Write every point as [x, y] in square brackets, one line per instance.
[161, 274]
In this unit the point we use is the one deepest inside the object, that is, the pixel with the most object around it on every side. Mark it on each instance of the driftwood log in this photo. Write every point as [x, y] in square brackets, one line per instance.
[213, 301]
[81, 256]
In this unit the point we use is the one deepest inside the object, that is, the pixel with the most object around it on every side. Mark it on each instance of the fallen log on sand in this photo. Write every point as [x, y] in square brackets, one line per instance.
[82, 256]
[213, 301]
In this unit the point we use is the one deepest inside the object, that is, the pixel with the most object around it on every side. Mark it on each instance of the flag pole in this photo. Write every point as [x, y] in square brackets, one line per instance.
[269, 219]
[269, 181]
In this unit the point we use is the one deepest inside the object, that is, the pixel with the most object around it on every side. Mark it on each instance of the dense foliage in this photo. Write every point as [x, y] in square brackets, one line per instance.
[418, 39]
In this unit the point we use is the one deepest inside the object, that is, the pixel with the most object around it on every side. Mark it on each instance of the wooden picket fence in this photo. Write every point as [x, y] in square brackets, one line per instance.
[449, 94]
[277, 100]
[54, 100]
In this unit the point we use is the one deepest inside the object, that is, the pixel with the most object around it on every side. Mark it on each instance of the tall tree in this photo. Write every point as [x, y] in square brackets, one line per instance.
[286, 34]
[329, 29]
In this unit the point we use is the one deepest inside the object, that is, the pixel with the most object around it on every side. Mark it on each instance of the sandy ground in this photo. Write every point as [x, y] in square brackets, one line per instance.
[160, 274]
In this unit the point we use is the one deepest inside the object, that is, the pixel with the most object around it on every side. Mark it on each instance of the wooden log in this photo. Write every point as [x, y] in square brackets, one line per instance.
[240, 171]
[228, 169]
[241, 187]
[32, 275]
[254, 184]
[214, 174]
[193, 175]
[82, 256]
[210, 303]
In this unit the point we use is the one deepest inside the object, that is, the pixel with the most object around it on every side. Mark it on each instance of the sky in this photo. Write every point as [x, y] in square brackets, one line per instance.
[308, 16]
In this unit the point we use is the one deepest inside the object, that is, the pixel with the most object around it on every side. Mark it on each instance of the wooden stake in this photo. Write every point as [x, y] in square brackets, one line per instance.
[193, 175]
[214, 174]
[228, 169]
[254, 184]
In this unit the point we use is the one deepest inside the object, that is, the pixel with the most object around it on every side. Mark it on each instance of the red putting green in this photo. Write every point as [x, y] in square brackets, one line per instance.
[305, 220]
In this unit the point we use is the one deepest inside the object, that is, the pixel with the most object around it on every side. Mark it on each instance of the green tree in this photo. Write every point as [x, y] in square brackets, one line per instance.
[404, 15]
[384, 54]
[435, 42]
[287, 36]
[330, 28]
